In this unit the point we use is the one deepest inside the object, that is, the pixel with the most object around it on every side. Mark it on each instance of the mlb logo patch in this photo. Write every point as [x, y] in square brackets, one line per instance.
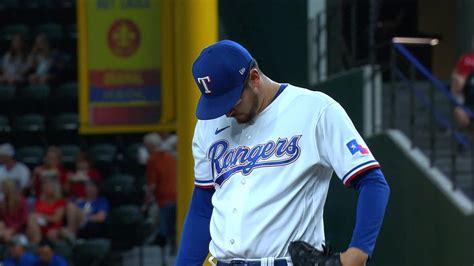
[355, 147]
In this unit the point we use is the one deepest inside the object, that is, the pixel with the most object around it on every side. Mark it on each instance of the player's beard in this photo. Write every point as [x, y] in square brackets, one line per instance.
[252, 112]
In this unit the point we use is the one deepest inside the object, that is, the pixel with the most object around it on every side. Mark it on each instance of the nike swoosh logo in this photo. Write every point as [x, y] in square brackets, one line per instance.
[220, 130]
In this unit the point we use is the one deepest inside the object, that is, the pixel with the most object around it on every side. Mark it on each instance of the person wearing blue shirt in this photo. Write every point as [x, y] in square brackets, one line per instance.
[18, 256]
[47, 256]
[86, 216]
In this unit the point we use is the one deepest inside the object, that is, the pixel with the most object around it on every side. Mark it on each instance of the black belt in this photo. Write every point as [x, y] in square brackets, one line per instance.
[277, 262]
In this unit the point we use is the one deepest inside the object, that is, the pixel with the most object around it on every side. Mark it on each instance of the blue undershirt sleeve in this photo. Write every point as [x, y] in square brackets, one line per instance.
[195, 238]
[373, 197]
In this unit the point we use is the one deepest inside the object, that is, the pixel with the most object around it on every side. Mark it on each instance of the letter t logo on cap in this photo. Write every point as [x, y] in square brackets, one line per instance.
[203, 82]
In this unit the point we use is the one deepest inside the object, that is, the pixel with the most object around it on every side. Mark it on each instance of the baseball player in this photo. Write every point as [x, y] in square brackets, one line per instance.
[264, 154]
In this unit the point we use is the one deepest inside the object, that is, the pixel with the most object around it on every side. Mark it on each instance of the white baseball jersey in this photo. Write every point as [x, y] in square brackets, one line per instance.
[272, 175]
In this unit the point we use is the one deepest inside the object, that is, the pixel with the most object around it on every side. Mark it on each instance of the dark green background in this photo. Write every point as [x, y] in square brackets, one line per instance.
[421, 226]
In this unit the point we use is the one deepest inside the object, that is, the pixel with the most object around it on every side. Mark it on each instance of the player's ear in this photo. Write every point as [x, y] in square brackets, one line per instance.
[254, 77]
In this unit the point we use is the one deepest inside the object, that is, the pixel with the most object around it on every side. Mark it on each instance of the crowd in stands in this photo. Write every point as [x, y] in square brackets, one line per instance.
[55, 200]
[39, 65]
[50, 202]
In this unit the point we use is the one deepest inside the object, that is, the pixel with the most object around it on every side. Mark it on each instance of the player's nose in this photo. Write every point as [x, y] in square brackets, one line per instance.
[230, 113]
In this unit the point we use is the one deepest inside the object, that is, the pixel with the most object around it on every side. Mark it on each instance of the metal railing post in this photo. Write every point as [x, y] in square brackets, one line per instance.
[354, 32]
[411, 126]
[472, 165]
[373, 14]
[318, 46]
[432, 128]
[454, 151]
[393, 65]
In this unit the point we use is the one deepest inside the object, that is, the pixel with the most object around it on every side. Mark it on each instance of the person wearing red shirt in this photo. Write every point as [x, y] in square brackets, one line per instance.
[161, 184]
[464, 67]
[48, 215]
[13, 211]
[75, 185]
[51, 168]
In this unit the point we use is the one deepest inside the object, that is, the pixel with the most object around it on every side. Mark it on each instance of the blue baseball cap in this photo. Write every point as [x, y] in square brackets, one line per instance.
[220, 72]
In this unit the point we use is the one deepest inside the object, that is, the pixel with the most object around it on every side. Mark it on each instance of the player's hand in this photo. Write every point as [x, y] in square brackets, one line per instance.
[354, 257]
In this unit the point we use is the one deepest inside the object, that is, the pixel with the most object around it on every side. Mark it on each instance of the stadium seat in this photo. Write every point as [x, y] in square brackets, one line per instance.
[91, 252]
[125, 227]
[31, 155]
[52, 30]
[67, 3]
[131, 153]
[65, 121]
[30, 123]
[67, 91]
[8, 31]
[70, 60]
[103, 152]
[8, 102]
[139, 195]
[121, 176]
[36, 92]
[4, 124]
[35, 4]
[103, 157]
[63, 248]
[3, 251]
[8, 4]
[69, 154]
[71, 31]
[129, 163]
[7, 92]
[119, 189]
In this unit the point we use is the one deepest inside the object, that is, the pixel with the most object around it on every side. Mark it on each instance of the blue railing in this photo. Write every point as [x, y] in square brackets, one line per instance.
[434, 80]
[439, 119]
[461, 138]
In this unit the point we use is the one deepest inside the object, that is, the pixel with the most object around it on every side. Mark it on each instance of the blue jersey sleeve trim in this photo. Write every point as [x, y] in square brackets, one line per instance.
[206, 184]
[203, 181]
[373, 197]
[350, 173]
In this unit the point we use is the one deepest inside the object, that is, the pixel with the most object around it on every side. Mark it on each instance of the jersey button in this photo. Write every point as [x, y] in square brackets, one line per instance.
[243, 181]
[234, 210]
[232, 241]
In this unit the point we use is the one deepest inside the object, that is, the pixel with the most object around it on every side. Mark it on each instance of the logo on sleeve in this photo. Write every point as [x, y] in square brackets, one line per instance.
[355, 147]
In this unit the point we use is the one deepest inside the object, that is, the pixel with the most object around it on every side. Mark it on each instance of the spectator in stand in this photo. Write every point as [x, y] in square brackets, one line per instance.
[12, 169]
[76, 181]
[51, 168]
[13, 211]
[47, 256]
[48, 214]
[86, 216]
[464, 67]
[169, 143]
[14, 63]
[17, 255]
[161, 184]
[40, 61]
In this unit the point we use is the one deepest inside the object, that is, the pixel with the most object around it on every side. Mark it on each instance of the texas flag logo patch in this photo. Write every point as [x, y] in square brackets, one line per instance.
[355, 147]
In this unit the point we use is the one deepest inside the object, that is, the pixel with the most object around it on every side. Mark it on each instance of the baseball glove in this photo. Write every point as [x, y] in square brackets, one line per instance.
[303, 254]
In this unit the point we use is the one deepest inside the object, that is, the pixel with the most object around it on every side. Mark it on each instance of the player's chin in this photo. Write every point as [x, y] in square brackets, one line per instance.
[242, 118]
